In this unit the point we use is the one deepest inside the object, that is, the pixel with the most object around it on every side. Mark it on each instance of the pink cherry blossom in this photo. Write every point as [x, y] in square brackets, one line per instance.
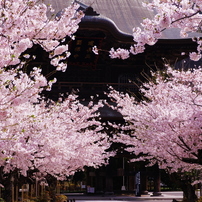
[56, 138]
[184, 15]
[95, 50]
[166, 126]
[119, 53]
[194, 56]
[60, 49]
[24, 23]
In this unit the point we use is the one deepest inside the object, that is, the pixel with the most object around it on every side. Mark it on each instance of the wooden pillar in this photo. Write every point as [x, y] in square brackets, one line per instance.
[12, 191]
[42, 189]
[16, 192]
[157, 181]
[31, 190]
[131, 184]
[22, 192]
[144, 183]
[109, 184]
[58, 187]
[99, 183]
[36, 188]
[138, 184]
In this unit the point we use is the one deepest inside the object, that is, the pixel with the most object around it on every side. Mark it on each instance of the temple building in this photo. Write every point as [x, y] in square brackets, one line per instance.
[107, 24]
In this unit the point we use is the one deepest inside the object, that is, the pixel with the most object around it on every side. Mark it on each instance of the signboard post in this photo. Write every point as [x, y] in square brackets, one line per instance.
[137, 184]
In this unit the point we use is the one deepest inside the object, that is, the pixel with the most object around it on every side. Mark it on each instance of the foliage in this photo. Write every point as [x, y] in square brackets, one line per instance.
[44, 197]
[61, 198]
[200, 199]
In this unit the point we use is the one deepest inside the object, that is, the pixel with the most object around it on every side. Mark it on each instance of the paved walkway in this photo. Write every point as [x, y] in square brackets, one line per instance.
[164, 196]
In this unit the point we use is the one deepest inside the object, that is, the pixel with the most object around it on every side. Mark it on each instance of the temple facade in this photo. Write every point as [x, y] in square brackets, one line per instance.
[109, 23]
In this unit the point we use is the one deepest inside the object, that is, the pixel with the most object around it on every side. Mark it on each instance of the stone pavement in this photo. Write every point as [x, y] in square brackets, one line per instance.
[168, 195]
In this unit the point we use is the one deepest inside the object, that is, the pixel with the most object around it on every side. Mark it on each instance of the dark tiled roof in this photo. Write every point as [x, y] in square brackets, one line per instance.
[126, 14]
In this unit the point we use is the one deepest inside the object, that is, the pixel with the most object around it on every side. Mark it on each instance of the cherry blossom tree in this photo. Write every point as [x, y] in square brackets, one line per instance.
[185, 15]
[54, 138]
[57, 139]
[24, 23]
[166, 124]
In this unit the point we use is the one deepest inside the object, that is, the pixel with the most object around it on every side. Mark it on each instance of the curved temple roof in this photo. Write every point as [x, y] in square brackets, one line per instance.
[126, 14]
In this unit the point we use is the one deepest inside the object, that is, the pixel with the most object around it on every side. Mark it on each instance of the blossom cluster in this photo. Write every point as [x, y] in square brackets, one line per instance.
[166, 127]
[57, 138]
[119, 53]
[184, 14]
[25, 22]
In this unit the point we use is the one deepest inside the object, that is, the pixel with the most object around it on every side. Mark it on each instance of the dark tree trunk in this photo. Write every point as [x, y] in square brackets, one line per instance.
[157, 181]
[188, 192]
[7, 181]
[52, 182]
[183, 181]
[7, 193]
